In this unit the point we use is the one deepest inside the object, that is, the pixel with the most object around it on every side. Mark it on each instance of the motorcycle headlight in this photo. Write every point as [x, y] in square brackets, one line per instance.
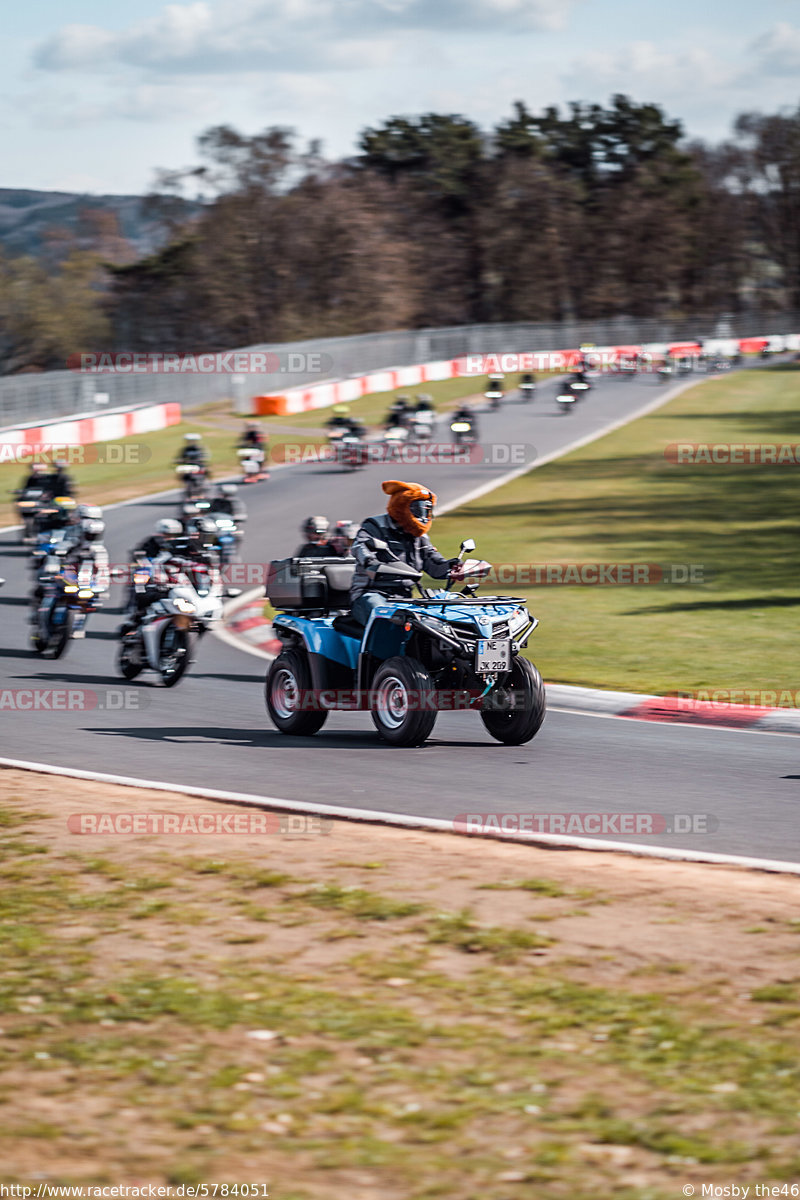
[460, 427]
[85, 594]
[70, 587]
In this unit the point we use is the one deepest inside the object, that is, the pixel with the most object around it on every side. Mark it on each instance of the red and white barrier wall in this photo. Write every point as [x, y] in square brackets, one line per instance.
[85, 431]
[322, 395]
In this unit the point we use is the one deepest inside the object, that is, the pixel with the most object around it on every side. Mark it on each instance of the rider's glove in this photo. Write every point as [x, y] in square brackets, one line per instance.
[456, 568]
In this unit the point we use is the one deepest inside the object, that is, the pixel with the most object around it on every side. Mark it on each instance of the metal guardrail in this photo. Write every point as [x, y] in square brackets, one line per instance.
[26, 399]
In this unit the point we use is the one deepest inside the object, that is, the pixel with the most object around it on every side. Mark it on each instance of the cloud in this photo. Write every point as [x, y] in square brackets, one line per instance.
[778, 51]
[256, 35]
[641, 66]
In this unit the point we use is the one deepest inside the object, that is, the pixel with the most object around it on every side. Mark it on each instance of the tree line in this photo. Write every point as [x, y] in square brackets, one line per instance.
[589, 212]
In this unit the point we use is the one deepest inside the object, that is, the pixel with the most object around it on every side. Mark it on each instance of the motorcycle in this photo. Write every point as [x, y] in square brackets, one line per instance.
[67, 600]
[527, 391]
[251, 461]
[164, 640]
[351, 452]
[570, 393]
[414, 657]
[228, 535]
[463, 431]
[494, 394]
[194, 477]
[423, 424]
[394, 439]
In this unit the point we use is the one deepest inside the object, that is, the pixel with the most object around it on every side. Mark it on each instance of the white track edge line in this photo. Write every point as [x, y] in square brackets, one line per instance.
[403, 820]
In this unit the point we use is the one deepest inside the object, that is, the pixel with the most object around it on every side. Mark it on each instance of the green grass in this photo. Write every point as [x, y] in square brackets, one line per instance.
[438, 1073]
[620, 500]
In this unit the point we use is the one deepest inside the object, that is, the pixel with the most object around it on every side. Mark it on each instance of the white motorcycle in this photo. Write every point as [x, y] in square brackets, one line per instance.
[251, 461]
[423, 424]
[194, 477]
[164, 640]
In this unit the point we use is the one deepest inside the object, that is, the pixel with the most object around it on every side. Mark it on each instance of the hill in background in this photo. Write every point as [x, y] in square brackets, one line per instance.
[121, 226]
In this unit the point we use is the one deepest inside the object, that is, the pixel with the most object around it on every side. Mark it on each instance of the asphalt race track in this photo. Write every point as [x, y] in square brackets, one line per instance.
[213, 731]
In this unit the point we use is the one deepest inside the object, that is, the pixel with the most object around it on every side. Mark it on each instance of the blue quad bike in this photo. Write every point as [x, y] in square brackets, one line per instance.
[416, 656]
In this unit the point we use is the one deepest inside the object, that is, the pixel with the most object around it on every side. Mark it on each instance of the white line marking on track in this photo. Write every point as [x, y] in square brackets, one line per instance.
[404, 821]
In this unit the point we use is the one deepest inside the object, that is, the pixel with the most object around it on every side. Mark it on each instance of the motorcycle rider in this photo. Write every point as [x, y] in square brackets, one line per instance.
[255, 443]
[316, 545]
[193, 452]
[227, 501]
[252, 436]
[399, 412]
[86, 538]
[154, 552]
[343, 537]
[465, 413]
[342, 423]
[404, 527]
[36, 478]
[83, 533]
[58, 481]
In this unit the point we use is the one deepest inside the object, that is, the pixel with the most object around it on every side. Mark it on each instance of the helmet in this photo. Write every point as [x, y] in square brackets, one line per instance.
[341, 410]
[60, 464]
[93, 529]
[228, 489]
[346, 529]
[205, 530]
[190, 510]
[89, 512]
[38, 468]
[315, 527]
[193, 437]
[410, 505]
[168, 527]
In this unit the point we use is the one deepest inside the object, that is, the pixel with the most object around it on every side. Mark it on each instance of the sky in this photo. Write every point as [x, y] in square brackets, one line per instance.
[95, 98]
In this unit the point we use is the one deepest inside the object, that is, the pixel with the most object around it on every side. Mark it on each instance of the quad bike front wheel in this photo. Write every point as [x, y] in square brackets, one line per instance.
[514, 713]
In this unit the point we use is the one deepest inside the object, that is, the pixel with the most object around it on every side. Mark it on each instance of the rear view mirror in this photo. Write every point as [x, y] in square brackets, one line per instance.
[467, 546]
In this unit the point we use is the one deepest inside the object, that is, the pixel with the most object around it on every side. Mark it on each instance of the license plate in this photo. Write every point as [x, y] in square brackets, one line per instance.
[492, 655]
